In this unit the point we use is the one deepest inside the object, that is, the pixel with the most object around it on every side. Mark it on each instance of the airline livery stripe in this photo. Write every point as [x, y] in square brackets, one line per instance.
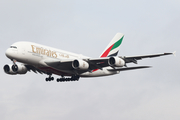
[117, 44]
[107, 51]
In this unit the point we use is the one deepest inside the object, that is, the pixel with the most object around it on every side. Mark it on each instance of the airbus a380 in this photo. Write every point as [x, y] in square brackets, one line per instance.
[43, 59]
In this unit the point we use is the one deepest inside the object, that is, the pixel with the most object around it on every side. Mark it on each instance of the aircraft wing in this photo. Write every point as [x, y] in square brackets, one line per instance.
[129, 68]
[34, 69]
[98, 63]
[135, 58]
[65, 65]
[60, 64]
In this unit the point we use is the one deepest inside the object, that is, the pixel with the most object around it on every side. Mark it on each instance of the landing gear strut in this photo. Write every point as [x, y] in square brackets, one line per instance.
[14, 67]
[50, 78]
[63, 79]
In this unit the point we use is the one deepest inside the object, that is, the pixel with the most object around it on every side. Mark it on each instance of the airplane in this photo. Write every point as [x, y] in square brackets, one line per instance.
[47, 60]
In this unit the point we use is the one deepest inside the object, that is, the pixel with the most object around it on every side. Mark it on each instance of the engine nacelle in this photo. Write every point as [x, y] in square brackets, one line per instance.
[8, 70]
[15, 69]
[80, 64]
[116, 62]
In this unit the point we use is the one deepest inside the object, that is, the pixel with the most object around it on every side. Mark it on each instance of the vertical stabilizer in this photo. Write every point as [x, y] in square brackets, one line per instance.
[113, 48]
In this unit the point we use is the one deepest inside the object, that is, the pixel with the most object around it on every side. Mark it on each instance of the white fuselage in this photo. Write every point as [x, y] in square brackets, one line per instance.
[34, 54]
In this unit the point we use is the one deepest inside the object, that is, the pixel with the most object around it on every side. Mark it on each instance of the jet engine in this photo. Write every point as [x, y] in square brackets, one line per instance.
[80, 64]
[15, 69]
[116, 62]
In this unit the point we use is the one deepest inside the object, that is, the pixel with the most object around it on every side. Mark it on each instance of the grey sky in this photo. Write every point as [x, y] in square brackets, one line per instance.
[86, 27]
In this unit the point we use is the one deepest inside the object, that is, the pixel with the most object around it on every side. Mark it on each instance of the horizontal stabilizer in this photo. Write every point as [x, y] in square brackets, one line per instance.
[129, 68]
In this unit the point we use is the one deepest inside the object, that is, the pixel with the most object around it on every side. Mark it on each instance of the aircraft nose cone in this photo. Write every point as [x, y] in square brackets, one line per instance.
[8, 53]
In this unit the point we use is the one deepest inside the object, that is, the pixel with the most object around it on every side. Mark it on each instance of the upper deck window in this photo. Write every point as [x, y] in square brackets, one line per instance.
[13, 47]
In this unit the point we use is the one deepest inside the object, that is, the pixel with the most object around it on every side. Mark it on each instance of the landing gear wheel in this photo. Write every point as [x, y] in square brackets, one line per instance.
[50, 78]
[73, 78]
[47, 79]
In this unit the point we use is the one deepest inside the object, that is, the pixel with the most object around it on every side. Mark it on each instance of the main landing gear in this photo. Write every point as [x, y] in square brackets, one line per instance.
[73, 78]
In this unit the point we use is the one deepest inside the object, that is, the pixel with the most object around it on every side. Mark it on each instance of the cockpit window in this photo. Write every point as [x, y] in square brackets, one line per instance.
[13, 47]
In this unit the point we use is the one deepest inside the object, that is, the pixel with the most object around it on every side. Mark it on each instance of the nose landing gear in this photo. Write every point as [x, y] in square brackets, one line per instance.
[49, 78]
